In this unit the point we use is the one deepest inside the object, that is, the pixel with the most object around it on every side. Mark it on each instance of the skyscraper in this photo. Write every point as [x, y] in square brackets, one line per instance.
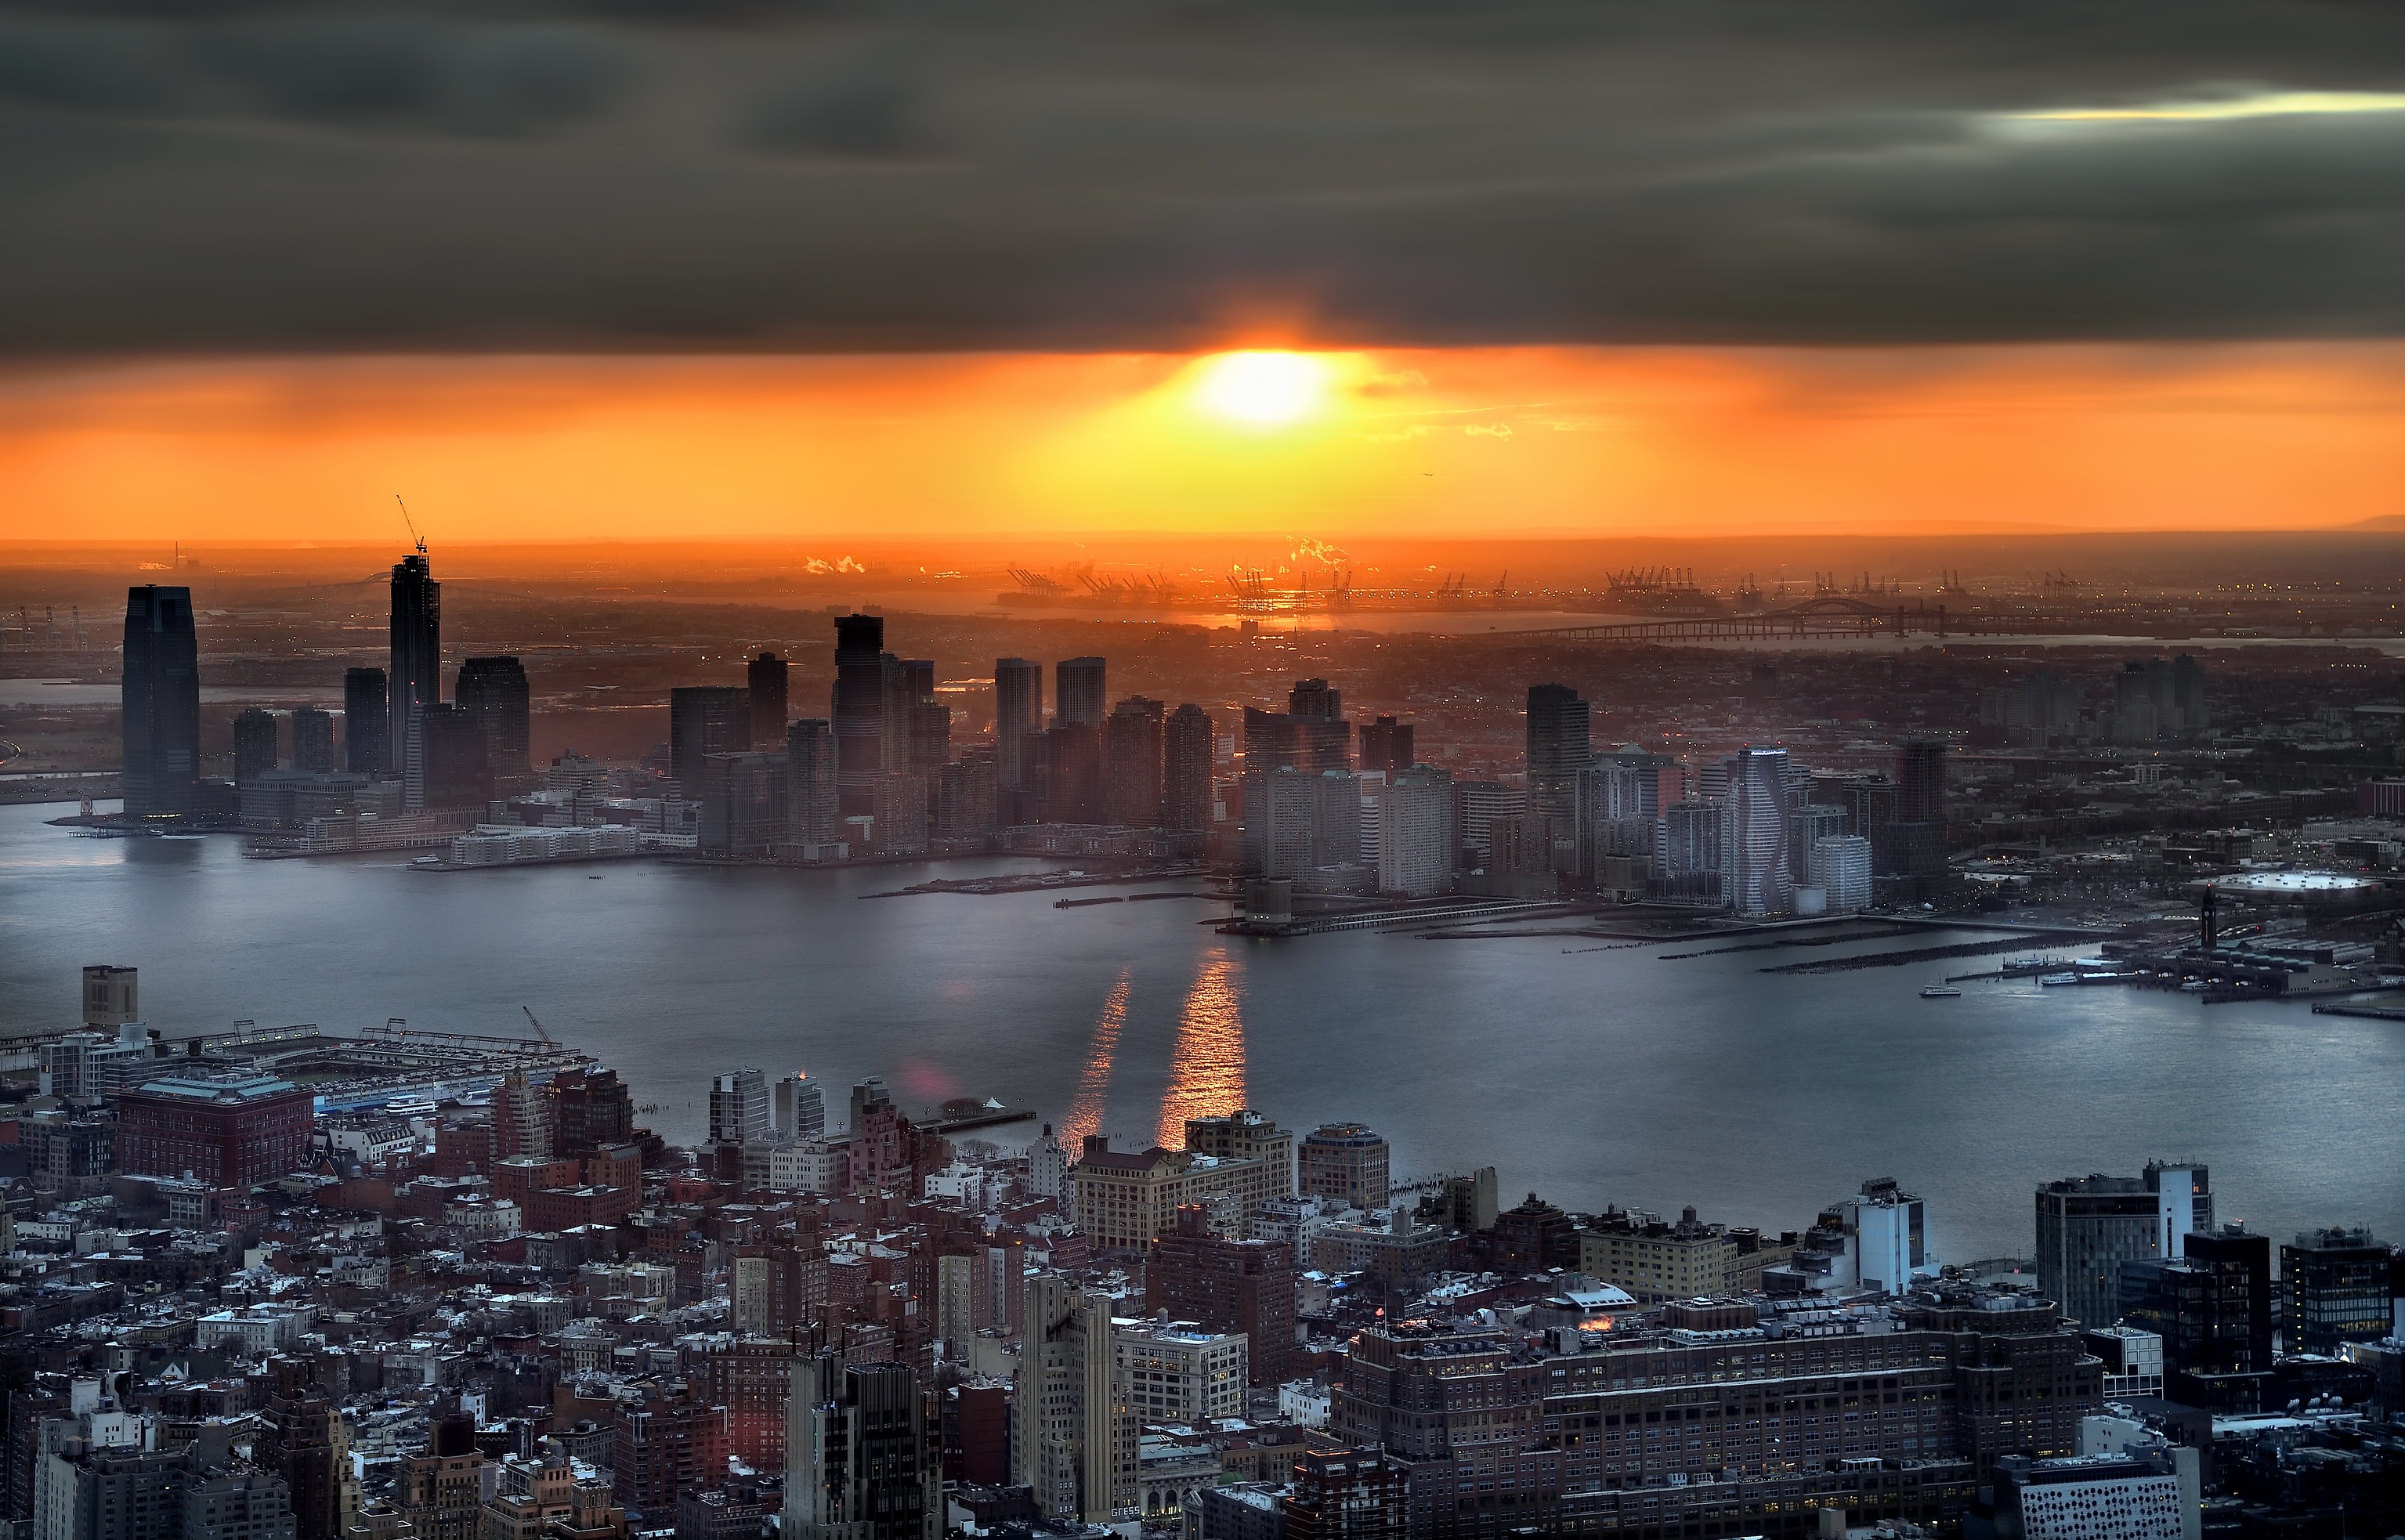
[814, 809]
[1018, 710]
[1069, 773]
[493, 691]
[862, 1458]
[1187, 755]
[367, 723]
[1754, 852]
[443, 762]
[705, 720]
[745, 809]
[312, 740]
[1074, 1433]
[858, 711]
[798, 1107]
[1386, 745]
[1557, 748]
[416, 676]
[1315, 698]
[254, 744]
[2088, 1226]
[927, 724]
[161, 696]
[1131, 741]
[766, 674]
[1415, 853]
[1840, 866]
[1078, 690]
[739, 1107]
[1344, 1160]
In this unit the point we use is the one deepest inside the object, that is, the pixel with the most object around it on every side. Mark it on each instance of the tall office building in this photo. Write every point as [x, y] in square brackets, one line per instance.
[926, 743]
[745, 806]
[766, 675]
[1806, 823]
[255, 738]
[858, 711]
[1915, 832]
[1754, 852]
[1415, 853]
[1315, 698]
[1131, 745]
[739, 1107]
[2088, 1225]
[968, 797]
[493, 691]
[161, 692]
[415, 678]
[798, 1107]
[2211, 1307]
[443, 759]
[1386, 745]
[1557, 748]
[302, 1437]
[814, 803]
[1841, 866]
[1186, 759]
[1073, 1430]
[1077, 692]
[1226, 1285]
[2338, 1291]
[1478, 807]
[1345, 1161]
[705, 720]
[1281, 819]
[1018, 710]
[863, 1461]
[1067, 772]
[367, 723]
[312, 740]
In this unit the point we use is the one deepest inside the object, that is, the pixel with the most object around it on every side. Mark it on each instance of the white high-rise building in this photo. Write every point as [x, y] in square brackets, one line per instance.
[738, 1107]
[1755, 879]
[1416, 833]
[799, 1110]
[1840, 865]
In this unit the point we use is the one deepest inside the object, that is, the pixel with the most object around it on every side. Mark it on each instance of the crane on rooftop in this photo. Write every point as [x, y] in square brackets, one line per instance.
[417, 537]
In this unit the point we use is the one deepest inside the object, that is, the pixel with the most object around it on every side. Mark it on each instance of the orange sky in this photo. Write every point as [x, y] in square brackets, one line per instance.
[1406, 443]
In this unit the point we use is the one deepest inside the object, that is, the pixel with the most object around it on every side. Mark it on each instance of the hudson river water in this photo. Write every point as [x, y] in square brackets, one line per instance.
[1604, 1075]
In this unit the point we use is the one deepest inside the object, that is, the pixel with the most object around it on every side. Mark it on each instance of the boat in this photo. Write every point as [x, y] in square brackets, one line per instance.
[1940, 991]
[2196, 987]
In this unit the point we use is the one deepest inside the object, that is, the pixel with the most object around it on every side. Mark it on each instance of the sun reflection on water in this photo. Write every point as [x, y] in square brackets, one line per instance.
[1207, 1073]
[1094, 1082]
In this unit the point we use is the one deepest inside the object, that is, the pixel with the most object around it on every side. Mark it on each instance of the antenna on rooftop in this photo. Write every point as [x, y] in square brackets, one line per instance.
[413, 525]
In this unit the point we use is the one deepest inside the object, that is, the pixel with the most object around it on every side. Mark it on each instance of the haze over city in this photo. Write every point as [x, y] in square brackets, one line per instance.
[1323, 772]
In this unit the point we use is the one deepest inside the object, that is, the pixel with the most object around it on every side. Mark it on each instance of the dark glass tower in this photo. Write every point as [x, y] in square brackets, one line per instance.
[367, 723]
[766, 674]
[1132, 764]
[1557, 748]
[859, 711]
[1078, 691]
[493, 690]
[162, 693]
[1018, 710]
[417, 678]
[254, 745]
[313, 739]
[705, 720]
[1187, 753]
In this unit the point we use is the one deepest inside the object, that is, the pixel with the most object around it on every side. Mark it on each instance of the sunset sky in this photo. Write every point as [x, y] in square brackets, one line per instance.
[801, 267]
[1411, 442]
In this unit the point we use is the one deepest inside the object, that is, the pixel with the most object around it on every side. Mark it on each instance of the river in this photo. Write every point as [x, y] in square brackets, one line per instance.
[1595, 1076]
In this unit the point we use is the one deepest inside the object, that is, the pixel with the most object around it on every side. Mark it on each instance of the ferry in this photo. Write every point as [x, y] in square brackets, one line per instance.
[1940, 991]
[410, 1107]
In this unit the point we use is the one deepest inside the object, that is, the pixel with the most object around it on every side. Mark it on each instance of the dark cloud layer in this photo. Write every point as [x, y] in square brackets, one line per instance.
[261, 174]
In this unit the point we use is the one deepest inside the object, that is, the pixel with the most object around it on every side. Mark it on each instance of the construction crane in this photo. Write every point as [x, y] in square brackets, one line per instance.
[421, 550]
[536, 1022]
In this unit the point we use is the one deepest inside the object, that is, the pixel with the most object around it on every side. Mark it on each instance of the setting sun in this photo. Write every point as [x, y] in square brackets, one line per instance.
[1266, 390]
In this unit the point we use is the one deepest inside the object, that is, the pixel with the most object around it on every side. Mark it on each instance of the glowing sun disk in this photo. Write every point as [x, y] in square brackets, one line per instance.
[1263, 388]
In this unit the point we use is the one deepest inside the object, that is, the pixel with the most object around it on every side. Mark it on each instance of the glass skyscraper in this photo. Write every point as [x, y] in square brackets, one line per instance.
[416, 676]
[161, 696]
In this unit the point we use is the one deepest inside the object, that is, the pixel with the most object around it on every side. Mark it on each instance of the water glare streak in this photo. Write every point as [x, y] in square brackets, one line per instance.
[1207, 1066]
[1094, 1082]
